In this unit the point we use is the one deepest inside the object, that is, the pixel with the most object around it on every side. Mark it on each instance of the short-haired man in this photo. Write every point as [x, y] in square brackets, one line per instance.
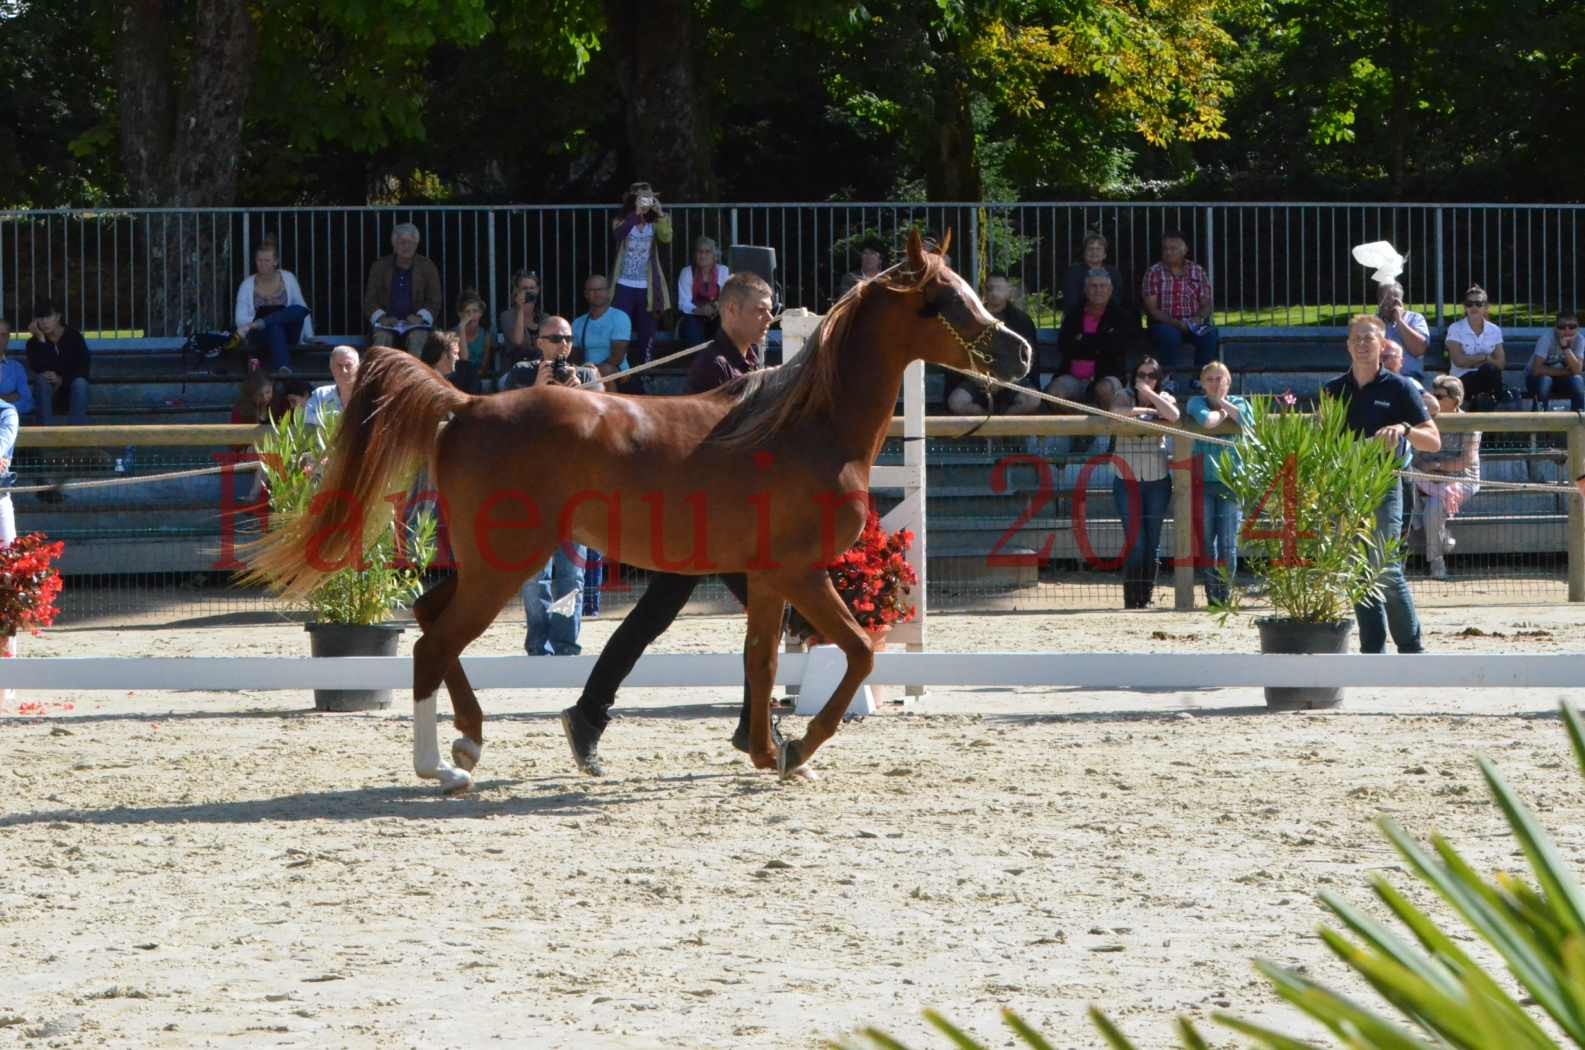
[1557, 364]
[1405, 327]
[553, 624]
[333, 397]
[967, 397]
[600, 336]
[1092, 345]
[1384, 407]
[58, 356]
[1177, 298]
[15, 387]
[745, 318]
[402, 296]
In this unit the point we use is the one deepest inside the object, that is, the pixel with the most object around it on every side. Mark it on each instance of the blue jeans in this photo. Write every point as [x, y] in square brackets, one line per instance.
[695, 330]
[1168, 343]
[1221, 518]
[1572, 387]
[1142, 559]
[1396, 611]
[76, 401]
[281, 331]
[555, 634]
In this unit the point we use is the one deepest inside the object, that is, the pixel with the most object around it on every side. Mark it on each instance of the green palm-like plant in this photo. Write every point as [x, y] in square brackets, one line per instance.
[1309, 489]
[1441, 996]
[392, 575]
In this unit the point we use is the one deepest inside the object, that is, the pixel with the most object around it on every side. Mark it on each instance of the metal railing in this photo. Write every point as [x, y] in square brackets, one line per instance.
[151, 272]
[152, 554]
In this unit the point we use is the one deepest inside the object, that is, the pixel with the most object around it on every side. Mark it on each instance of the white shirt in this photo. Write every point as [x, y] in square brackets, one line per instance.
[635, 256]
[245, 314]
[324, 398]
[685, 286]
[1482, 345]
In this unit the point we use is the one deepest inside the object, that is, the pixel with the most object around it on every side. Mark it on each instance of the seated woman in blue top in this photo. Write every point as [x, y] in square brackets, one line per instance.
[10, 423]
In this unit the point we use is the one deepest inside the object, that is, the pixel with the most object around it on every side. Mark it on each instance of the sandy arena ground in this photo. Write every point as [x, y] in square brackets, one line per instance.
[235, 870]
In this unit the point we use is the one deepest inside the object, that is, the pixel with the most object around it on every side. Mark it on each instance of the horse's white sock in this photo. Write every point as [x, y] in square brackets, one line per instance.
[426, 750]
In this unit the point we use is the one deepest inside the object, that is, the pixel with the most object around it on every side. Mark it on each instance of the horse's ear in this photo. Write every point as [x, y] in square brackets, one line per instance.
[946, 242]
[916, 251]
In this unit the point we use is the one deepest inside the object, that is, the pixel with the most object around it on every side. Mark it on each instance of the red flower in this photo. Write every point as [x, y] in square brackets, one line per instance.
[28, 584]
[873, 577]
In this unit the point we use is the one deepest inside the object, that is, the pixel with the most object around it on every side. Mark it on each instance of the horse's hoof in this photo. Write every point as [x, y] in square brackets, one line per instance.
[466, 753]
[453, 781]
[790, 763]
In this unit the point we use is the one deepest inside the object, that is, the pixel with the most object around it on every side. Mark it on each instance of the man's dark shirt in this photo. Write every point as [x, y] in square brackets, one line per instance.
[719, 364]
[1384, 401]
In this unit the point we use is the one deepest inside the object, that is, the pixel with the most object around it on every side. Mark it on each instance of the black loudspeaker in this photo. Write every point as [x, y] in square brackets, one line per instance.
[761, 261]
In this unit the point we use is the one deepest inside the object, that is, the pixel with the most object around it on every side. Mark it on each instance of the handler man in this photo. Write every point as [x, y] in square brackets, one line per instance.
[1385, 406]
[735, 351]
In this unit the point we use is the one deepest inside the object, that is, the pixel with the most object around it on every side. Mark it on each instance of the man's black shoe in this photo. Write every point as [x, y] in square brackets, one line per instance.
[740, 736]
[584, 739]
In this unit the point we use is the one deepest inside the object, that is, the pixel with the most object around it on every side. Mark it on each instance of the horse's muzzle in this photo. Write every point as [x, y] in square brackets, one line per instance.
[1010, 355]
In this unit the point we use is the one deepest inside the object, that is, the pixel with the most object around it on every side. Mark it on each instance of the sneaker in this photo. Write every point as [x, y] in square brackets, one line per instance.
[1438, 569]
[740, 735]
[584, 739]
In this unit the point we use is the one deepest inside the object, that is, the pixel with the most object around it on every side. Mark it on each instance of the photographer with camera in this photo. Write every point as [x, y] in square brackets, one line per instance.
[519, 324]
[553, 633]
[642, 291]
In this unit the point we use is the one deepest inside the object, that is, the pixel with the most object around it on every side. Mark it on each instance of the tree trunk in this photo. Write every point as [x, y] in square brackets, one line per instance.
[952, 164]
[668, 130]
[181, 103]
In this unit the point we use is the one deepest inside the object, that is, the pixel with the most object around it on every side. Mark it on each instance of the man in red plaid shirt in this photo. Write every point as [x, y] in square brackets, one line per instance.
[1177, 298]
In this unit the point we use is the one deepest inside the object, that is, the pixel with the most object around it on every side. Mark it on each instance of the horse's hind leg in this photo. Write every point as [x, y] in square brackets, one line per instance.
[466, 714]
[467, 606]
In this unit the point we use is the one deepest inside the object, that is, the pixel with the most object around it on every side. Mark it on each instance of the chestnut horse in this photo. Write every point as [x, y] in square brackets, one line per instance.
[767, 475]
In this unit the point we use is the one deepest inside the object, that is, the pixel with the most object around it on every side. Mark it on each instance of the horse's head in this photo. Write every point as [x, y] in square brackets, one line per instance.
[960, 330]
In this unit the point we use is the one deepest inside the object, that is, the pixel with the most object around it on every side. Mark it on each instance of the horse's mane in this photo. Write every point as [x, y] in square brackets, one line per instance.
[773, 399]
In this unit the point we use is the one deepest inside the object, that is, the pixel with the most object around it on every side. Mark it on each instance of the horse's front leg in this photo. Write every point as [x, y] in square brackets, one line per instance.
[817, 599]
[761, 652]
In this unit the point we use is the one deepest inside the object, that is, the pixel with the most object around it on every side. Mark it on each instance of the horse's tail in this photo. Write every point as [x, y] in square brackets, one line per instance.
[395, 412]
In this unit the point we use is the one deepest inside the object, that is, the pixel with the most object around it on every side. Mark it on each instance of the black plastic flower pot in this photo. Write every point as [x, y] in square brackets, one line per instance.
[1301, 636]
[352, 639]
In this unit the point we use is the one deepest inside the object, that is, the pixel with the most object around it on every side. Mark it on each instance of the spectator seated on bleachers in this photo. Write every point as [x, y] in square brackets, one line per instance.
[869, 265]
[255, 395]
[698, 291]
[290, 396]
[1177, 297]
[271, 313]
[1459, 459]
[1405, 327]
[58, 358]
[600, 337]
[402, 297]
[1092, 343]
[15, 387]
[1092, 258]
[1475, 352]
[447, 354]
[475, 345]
[333, 396]
[1393, 360]
[1555, 367]
[518, 326]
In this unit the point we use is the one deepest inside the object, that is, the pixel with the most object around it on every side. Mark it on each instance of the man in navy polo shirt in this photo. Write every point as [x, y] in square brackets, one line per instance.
[1386, 407]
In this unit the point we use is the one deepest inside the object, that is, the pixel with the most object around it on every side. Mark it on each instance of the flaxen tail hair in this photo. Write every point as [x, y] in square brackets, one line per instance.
[392, 420]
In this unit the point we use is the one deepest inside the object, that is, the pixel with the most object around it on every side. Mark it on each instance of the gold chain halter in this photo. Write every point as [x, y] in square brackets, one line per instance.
[979, 360]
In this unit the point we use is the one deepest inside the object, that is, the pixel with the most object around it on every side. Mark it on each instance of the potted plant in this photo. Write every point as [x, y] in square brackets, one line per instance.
[874, 579]
[1309, 489]
[352, 608]
[29, 584]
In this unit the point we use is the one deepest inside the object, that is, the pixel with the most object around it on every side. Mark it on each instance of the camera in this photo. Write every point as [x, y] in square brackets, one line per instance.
[560, 370]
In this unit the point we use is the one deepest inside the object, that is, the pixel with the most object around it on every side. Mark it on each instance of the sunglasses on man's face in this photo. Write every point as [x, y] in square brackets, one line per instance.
[1568, 327]
[557, 338]
[1473, 306]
